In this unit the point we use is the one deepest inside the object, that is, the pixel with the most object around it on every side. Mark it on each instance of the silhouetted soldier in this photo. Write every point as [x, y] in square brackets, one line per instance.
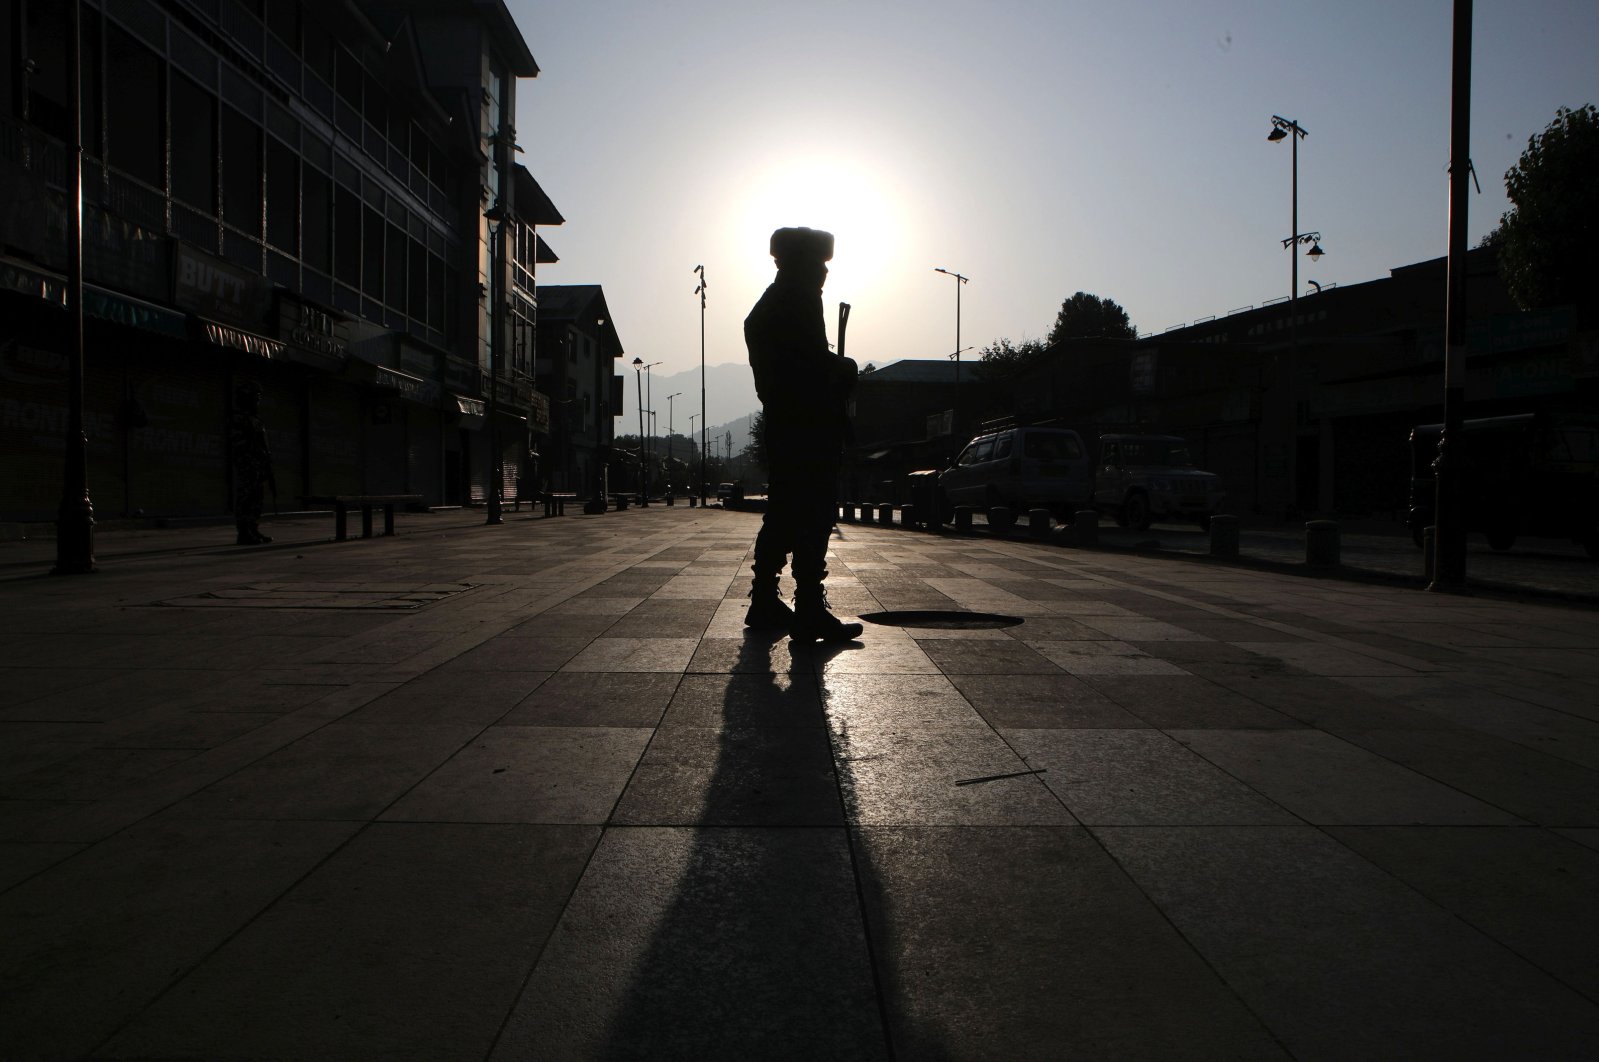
[252, 464]
[803, 388]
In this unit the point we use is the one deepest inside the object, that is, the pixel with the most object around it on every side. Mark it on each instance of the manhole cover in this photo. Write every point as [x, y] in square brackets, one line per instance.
[385, 597]
[949, 620]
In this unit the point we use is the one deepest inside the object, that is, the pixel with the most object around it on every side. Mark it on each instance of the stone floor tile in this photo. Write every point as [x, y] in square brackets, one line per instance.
[703, 944]
[92, 940]
[1334, 705]
[449, 697]
[1060, 700]
[545, 775]
[20, 861]
[907, 777]
[572, 698]
[506, 653]
[1168, 701]
[746, 700]
[1530, 889]
[1526, 783]
[410, 943]
[977, 657]
[750, 653]
[910, 702]
[733, 776]
[342, 771]
[1136, 629]
[1103, 658]
[1338, 958]
[1327, 781]
[634, 654]
[1030, 943]
[1140, 778]
[1318, 658]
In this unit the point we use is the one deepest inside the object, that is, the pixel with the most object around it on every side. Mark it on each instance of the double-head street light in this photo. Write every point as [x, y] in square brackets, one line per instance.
[700, 291]
[596, 503]
[960, 282]
[670, 421]
[644, 478]
[1292, 131]
[493, 490]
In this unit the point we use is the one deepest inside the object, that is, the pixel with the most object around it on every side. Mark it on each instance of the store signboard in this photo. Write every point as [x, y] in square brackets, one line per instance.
[219, 290]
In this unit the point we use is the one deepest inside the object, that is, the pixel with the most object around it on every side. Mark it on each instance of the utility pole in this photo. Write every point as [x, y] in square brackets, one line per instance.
[700, 291]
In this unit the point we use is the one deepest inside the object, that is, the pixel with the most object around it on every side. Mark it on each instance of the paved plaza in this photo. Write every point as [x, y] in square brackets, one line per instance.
[533, 792]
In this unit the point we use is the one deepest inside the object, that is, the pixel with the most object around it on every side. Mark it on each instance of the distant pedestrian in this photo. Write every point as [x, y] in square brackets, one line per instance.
[252, 464]
[803, 387]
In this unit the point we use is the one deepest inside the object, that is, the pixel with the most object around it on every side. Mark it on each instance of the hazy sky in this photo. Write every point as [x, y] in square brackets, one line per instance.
[1037, 147]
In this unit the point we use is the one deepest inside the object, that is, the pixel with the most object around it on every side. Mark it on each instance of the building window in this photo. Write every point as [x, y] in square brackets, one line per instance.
[346, 236]
[133, 114]
[416, 299]
[283, 197]
[316, 219]
[194, 145]
[394, 268]
[372, 253]
[241, 172]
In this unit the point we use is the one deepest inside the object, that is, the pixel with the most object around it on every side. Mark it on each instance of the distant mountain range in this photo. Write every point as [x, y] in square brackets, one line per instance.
[730, 400]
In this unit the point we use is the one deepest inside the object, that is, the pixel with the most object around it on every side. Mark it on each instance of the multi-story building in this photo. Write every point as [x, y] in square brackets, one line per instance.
[321, 198]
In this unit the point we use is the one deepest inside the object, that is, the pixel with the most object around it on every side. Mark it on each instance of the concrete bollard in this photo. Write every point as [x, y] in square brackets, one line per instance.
[849, 512]
[670, 500]
[867, 512]
[1321, 544]
[885, 513]
[907, 516]
[1001, 519]
[1429, 553]
[1038, 524]
[1085, 527]
[1224, 537]
[693, 501]
[963, 519]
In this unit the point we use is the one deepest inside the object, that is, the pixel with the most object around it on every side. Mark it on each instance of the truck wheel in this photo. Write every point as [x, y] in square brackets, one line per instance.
[1135, 510]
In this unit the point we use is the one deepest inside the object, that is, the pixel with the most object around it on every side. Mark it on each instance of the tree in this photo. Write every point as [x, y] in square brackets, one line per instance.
[1546, 240]
[755, 449]
[1084, 315]
[1002, 357]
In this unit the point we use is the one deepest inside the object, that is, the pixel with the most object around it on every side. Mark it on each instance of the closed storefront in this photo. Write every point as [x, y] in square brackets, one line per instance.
[424, 453]
[336, 438]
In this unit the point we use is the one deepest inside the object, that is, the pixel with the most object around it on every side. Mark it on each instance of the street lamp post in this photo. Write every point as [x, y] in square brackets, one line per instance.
[1288, 129]
[75, 517]
[638, 387]
[596, 503]
[644, 449]
[960, 282]
[700, 291]
[493, 489]
[670, 422]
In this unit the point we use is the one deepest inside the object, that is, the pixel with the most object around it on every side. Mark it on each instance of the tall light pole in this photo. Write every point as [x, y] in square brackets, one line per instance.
[644, 449]
[638, 386]
[1292, 131]
[75, 517]
[1449, 538]
[670, 422]
[954, 413]
[596, 503]
[700, 291]
[493, 489]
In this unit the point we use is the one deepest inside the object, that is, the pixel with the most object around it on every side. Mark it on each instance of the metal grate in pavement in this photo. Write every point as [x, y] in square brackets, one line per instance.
[383, 597]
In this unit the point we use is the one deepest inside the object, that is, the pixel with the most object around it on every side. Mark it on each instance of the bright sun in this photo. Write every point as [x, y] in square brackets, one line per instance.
[846, 200]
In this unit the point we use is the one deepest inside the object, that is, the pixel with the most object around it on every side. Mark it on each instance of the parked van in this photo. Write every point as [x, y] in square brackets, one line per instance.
[1526, 474]
[1145, 477]
[1021, 468]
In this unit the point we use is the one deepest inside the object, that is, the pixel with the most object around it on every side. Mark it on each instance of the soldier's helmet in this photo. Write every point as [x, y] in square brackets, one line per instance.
[795, 245]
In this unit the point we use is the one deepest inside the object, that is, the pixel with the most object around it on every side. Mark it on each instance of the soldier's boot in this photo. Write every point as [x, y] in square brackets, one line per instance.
[246, 537]
[812, 620]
